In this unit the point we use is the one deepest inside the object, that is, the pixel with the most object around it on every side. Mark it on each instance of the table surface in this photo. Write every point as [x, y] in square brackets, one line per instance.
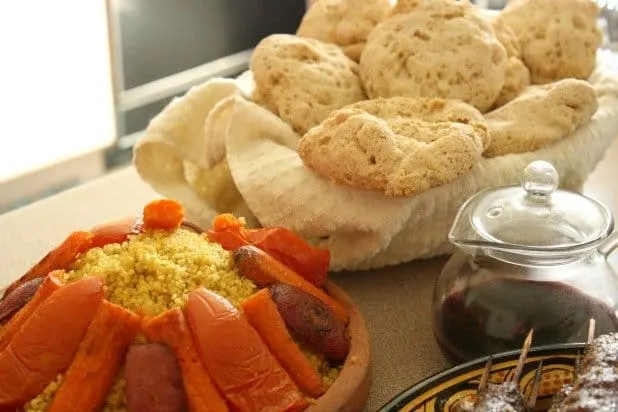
[395, 301]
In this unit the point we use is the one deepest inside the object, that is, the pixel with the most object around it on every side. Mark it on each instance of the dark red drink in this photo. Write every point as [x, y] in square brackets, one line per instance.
[495, 316]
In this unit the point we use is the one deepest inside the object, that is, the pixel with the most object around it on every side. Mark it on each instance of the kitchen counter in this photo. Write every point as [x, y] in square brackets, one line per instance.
[395, 301]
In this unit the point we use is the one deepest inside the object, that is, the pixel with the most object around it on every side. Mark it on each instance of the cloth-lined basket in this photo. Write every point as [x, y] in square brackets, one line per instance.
[216, 151]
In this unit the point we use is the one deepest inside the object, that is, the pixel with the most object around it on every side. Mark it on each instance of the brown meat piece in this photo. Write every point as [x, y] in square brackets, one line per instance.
[18, 298]
[312, 321]
[596, 385]
[154, 380]
[502, 398]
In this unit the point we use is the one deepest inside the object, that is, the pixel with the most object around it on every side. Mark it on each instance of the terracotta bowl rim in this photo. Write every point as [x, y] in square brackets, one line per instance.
[350, 390]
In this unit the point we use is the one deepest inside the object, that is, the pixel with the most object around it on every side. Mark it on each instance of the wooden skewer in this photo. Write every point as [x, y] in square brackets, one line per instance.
[536, 386]
[591, 329]
[522, 358]
[484, 379]
[591, 332]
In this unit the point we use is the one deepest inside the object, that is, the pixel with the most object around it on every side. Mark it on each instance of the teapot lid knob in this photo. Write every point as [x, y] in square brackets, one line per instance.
[540, 178]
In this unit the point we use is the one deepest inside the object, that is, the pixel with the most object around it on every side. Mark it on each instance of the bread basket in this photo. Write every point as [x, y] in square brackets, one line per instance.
[216, 151]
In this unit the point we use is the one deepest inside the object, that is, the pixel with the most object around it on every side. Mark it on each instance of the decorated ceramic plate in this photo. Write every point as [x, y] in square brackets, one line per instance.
[446, 390]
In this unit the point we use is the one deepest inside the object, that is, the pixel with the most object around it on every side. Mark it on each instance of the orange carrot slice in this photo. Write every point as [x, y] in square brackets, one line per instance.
[264, 316]
[163, 214]
[227, 239]
[284, 245]
[99, 354]
[46, 344]
[49, 286]
[171, 329]
[59, 258]
[238, 360]
[116, 232]
[292, 250]
[265, 270]
[227, 222]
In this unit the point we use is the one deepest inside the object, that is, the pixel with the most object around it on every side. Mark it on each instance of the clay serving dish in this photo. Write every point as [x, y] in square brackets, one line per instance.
[350, 390]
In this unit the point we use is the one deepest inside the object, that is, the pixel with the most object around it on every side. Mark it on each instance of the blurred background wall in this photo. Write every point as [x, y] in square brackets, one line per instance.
[81, 79]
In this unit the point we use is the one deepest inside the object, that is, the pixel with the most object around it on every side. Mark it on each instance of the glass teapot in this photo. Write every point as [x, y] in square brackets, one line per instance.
[529, 256]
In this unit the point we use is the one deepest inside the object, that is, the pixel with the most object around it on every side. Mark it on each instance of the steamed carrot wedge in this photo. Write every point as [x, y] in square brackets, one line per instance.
[116, 231]
[238, 360]
[265, 318]
[50, 284]
[292, 250]
[228, 231]
[171, 329]
[90, 376]
[163, 214]
[284, 245]
[227, 222]
[228, 240]
[59, 258]
[47, 342]
[265, 270]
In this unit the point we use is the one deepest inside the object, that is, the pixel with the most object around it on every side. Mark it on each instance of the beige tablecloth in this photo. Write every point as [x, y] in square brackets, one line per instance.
[396, 302]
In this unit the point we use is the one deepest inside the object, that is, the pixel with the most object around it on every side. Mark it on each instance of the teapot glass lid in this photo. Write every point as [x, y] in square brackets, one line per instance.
[537, 214]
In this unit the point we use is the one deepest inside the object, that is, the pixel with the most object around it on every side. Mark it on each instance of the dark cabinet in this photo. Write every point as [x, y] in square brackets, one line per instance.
[155, 39]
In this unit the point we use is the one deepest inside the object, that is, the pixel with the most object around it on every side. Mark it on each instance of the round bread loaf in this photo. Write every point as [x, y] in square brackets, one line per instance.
[559, 38]
[517, 76]
[303, 80]
[400, 146]
[515, 82]
[441, 48]
[540, 116]
[346, 23]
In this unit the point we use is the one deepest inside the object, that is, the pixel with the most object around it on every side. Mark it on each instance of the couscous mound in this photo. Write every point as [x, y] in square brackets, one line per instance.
[155, 271]
[129, 272]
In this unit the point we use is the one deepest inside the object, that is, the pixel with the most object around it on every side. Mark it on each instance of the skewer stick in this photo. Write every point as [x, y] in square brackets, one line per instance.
[522, 358]
[484, 379]
[591, 331]
[485, 376]
[591, 328]
[536, 386]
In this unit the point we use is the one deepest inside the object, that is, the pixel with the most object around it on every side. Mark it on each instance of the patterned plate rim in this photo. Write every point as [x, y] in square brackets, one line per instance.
[405, 396]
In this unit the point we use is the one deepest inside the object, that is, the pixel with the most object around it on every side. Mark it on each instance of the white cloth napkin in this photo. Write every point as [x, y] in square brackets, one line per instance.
[246, 163]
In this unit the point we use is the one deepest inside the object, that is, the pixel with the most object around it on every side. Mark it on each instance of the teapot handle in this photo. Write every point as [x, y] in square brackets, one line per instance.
[609, 245]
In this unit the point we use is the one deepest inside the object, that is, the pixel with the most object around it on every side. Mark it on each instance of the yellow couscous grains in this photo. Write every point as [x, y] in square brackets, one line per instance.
[116, 401]
[320, 364]
[41, 402]
[155, 271]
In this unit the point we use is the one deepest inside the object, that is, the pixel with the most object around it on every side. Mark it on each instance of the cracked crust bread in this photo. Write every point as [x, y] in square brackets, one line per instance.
[346, 23]
[401, 146]
[517, 77]
[540, 116]
[440, 49]
[559, 38]
[303, 80]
